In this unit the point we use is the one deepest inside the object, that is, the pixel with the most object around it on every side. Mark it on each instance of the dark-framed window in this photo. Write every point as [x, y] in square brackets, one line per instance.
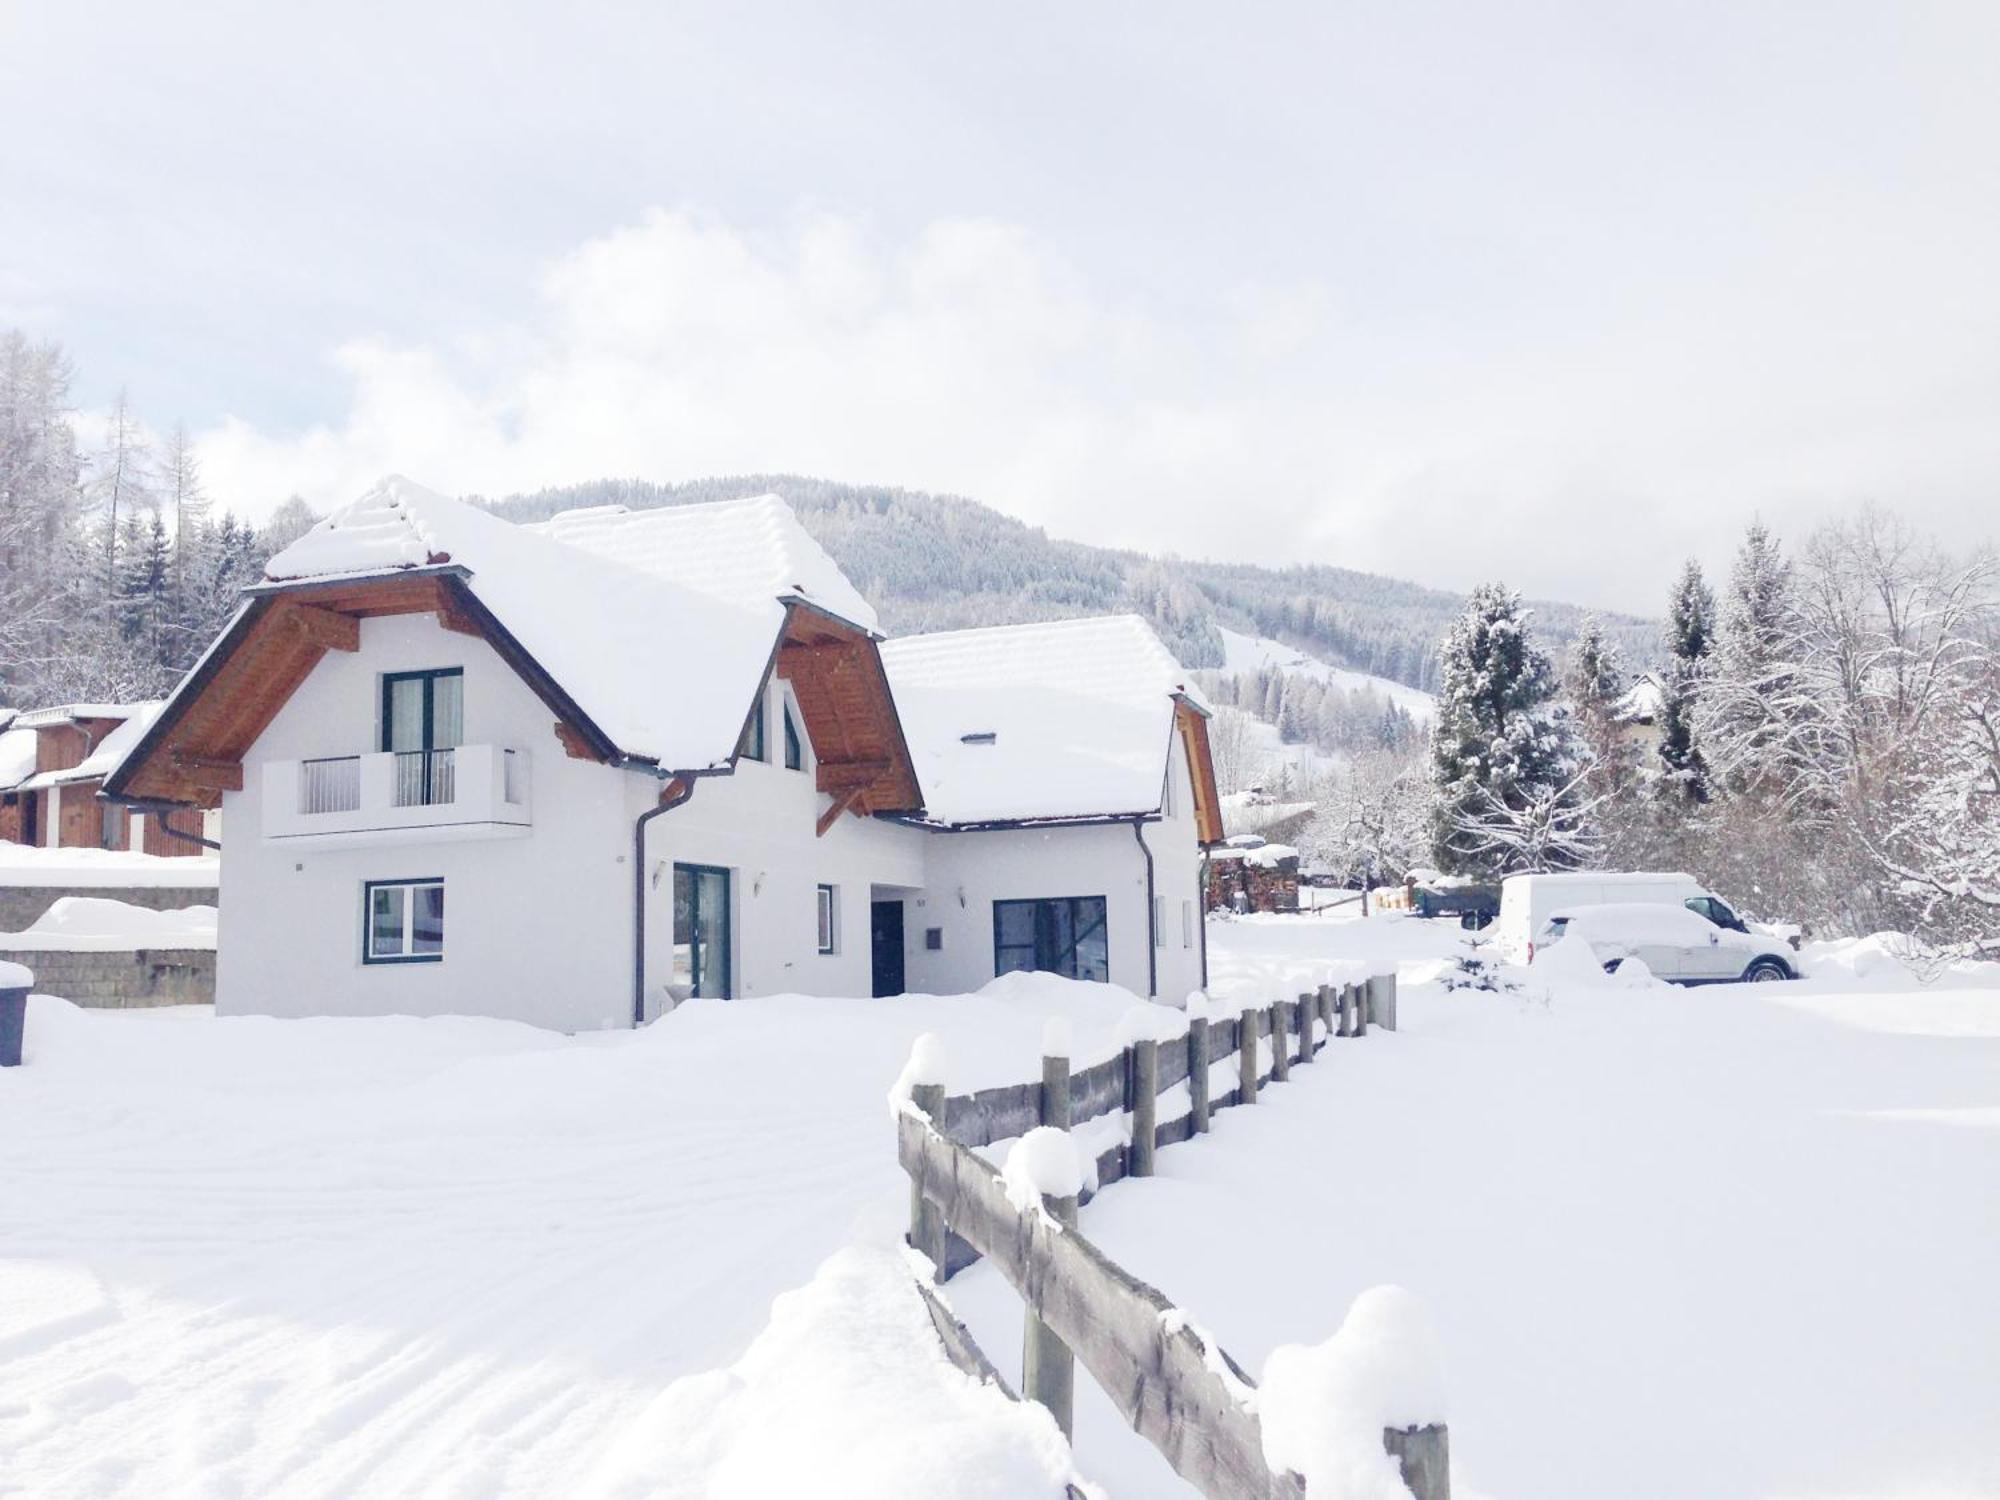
[829, 919]
[402, 921]
[423, 723]
[753, 745]
[701, 932]
[795, 752]
[1056, 935]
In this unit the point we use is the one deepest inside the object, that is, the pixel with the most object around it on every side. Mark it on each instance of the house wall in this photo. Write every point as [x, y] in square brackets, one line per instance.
[537, 927]
[758, 824]
[968, 872]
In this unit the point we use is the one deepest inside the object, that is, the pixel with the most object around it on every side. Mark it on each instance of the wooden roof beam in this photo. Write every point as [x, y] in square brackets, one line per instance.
[836, 807]
[209, 774]
[326, 628]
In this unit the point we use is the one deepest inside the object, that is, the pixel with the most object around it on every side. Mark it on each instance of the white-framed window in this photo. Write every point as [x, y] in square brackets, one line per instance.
[402, 921]
[829, 919]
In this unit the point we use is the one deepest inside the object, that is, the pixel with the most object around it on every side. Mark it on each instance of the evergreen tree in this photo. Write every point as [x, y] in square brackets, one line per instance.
[1689, 636]
[1751, 719]
[1500, 747]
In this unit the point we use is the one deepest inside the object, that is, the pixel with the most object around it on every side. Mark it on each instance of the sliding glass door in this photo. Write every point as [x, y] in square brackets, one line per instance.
[701, 932]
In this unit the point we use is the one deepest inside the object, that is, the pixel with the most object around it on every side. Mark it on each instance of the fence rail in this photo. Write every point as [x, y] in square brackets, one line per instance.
[1190, 1400]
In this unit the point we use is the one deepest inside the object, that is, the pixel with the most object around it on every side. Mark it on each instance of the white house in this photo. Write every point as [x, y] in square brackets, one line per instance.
[576, 772]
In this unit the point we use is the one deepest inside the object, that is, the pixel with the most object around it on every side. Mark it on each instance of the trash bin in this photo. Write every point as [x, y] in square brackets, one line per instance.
[14, 983]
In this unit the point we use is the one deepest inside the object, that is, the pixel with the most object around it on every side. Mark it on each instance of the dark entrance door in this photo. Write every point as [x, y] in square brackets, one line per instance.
[886, 937]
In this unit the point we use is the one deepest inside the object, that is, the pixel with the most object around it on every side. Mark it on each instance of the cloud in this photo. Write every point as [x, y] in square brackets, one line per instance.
[1582, 456]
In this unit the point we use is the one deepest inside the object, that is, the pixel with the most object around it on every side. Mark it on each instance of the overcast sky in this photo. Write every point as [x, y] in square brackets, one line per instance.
[1553, 292]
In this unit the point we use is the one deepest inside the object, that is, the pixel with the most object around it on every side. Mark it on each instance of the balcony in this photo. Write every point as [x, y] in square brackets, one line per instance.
[473, 791]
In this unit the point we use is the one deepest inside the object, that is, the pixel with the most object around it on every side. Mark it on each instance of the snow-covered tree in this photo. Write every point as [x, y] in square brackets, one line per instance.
[1499, 742]
[1754, 718]
[1690, 635]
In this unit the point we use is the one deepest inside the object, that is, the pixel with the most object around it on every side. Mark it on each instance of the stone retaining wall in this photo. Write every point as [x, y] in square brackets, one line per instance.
[121, 979]
[21, 905]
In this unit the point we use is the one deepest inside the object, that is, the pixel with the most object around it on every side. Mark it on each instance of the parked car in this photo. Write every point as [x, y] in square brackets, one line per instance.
[1527, 902]
[1473, 904]
[1675, 943]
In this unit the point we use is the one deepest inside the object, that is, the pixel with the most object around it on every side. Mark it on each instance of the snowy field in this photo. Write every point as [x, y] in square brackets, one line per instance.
[1735, 1242]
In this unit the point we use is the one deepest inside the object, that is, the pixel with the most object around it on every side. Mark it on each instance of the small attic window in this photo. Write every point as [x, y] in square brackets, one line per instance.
[979, 737]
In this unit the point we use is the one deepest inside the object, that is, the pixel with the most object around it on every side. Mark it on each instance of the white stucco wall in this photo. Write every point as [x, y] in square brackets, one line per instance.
[967, 872]
[536, 927]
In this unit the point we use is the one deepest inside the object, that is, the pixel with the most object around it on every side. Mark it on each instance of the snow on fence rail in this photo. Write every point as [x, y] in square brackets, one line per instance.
[1172, 1384]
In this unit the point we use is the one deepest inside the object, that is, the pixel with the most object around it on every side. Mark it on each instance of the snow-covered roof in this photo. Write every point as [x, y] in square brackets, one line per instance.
[17, 757]
[104, 759]
[747, 551]
[666, 672]
[1642, 703]
[1061, 720]
[69, 713]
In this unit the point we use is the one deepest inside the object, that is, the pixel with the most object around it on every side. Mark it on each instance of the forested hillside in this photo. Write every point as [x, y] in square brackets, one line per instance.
[937, 562]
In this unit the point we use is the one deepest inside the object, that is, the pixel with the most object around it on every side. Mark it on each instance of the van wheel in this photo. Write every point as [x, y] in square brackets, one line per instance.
[1765, 969]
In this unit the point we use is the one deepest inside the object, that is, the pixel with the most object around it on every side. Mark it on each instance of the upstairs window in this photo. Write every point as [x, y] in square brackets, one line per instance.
[403, 921]
[752, 747]
[795, 750]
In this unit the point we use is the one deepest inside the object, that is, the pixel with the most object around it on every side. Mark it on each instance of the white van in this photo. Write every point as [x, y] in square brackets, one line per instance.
[1528, 901]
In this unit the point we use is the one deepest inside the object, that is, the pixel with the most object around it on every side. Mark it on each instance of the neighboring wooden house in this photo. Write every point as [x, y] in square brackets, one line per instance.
[53, 764]
[576, 773]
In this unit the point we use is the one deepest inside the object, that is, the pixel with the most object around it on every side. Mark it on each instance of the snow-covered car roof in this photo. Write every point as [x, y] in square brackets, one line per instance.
[1072, 718]
[1630, 921]
[666, 672]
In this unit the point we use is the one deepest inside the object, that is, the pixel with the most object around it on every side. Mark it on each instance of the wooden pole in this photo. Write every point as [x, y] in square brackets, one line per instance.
[1246, 1056]
[1048, 1369]
[1424, 1456]
[1198, 1073]
[1145, 1107]
[926, 1218]
[1347, 1010]
[1326, 1008]
[1055, 1092]
[1281, 1063]
[1385, 1013]
[1364, 999]
[1305, 1015]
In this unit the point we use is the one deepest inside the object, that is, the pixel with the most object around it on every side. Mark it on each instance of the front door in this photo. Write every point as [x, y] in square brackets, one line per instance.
[886, 939]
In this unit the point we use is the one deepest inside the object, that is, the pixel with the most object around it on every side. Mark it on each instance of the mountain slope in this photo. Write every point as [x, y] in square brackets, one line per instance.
[939, 562]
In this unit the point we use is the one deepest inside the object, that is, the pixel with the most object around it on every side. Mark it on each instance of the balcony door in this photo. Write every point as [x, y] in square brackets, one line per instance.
[423, 722]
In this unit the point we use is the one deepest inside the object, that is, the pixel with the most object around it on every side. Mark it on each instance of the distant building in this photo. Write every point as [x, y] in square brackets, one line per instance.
[53, 762]
[1256, 810]
[1247, 873]
[1638, 713]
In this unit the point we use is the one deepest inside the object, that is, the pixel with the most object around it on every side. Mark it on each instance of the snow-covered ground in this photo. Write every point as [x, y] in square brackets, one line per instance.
[79, 923]
[1728, 1242]
[21, 864]
[1255, 653]
[1734, 1242]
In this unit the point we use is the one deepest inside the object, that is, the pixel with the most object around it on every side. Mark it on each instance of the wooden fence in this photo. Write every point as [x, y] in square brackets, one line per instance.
[1186, 1397]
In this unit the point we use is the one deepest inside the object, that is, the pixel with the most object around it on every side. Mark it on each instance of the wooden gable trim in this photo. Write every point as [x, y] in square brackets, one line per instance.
[194, 751]
[842, 690]
[1193, 726]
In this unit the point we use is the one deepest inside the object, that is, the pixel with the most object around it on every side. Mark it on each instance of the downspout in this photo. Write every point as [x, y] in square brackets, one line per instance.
[1201, 916]
[1152, 917]
[672, 795]
[156, 809]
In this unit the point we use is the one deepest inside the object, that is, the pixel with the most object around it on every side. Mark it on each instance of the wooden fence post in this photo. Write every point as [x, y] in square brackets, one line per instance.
[1246, 1057]
[927, 1234]
[1384, 1008]
[1350, 997]
[1281, 1062]
[1197, 1045]
[1055, 1092]
[1424, 1455]
[1048, 1368]
[1364, 997]
[1145, 1107]
[1326, 1008]
[1305, 1015]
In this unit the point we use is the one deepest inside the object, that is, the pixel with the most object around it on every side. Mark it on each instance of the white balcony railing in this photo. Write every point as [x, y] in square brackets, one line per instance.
[470, 790]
